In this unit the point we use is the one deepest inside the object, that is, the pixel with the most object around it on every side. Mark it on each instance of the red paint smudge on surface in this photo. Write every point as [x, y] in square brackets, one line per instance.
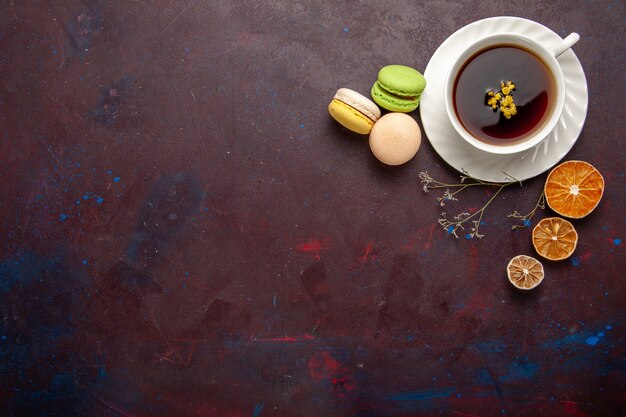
[431, 233]
[460, 414]
[474, 260]
[285, 339]
[323, 367]
[343, 386]
[310, 246]
[480, 303]
[366, 254]
[570, 408]
[340, 380]
[421, 235]
[313, 247]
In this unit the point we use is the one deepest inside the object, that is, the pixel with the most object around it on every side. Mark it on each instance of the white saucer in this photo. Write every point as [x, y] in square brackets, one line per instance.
[490, 167]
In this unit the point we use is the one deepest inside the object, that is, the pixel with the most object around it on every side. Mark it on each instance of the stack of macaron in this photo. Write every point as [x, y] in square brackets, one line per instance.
[354, 111]
[398, 88]
[395, 137]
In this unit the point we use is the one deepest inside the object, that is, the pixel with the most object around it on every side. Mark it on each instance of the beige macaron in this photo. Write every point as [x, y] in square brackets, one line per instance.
[359, 102]
[395, 138]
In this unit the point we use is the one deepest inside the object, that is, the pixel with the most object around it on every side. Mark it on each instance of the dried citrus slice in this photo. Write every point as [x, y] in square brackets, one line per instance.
[574, 188]
[525, 272]
[555, 238]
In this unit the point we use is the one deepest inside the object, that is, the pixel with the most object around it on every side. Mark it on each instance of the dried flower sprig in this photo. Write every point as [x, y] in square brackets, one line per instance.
[451, 226]
[428, 183]
[503, 99]
[525, 219]
[460, 221]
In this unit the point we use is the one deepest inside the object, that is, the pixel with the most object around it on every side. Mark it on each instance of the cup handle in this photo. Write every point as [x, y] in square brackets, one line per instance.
[565, 44]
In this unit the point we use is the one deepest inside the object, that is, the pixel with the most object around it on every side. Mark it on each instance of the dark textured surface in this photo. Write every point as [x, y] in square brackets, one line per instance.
[186, 232]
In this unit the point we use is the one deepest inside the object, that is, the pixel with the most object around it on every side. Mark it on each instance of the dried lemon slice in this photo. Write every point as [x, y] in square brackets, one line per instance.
[574, 189]
[555, 238]
[525, 272]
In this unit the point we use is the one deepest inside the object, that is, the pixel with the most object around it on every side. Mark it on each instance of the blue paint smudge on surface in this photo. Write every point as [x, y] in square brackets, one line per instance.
[258, 408]
[617, 242]
[578, 338]
[421, 395]
[116, 179]
[420, 400]
[564, 342]
[346, 29]
[99, 200]
[42, 386]
[575, 261]
[521, 370]
[490, 346]
[468, 236]
[450, 229]
[63, 217]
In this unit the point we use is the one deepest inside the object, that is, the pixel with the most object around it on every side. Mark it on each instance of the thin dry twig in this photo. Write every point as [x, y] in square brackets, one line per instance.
[526, 219]
[461, 220]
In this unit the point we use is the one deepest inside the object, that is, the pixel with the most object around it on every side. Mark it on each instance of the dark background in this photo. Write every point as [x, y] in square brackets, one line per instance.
[186, 232]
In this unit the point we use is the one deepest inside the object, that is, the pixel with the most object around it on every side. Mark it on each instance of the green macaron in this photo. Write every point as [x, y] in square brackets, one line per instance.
[398, 88]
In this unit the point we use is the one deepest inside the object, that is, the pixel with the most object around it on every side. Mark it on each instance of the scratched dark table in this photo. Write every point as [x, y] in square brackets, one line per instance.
[186, 232]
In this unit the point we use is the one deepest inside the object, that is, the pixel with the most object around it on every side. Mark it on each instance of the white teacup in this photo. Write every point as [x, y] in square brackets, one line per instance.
[547, 55]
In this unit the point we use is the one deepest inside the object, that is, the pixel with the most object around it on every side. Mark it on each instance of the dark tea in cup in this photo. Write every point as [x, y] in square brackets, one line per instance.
[504, 93]
[492, 69]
